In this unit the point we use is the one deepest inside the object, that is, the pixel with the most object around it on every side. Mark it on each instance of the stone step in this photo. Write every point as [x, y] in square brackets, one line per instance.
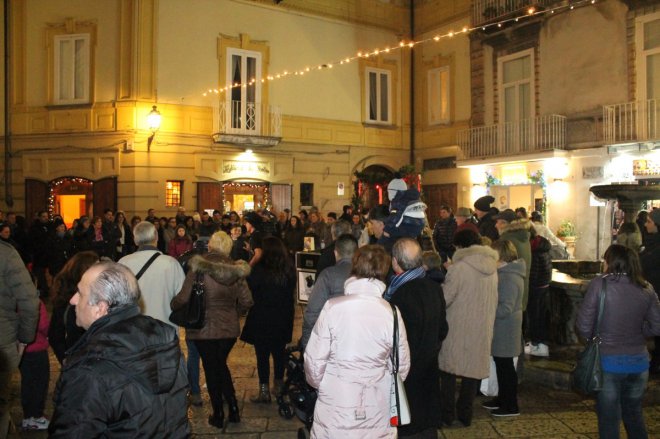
[555, 371]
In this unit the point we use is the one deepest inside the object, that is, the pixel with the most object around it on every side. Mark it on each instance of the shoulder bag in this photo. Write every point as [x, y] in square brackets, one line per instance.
[192, 314]
[588, 375]
[399, 408]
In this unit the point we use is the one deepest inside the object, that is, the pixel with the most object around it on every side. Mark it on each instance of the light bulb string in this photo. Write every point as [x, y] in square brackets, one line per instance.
[531, 12]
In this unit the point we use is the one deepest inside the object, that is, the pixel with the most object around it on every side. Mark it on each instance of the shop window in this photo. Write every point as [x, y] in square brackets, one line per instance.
[438, 96]
[71, 75]
[378, 96]
[173, 190]
[307, 194]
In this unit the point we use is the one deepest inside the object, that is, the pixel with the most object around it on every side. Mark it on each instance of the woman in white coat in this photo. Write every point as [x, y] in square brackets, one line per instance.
[347, 357]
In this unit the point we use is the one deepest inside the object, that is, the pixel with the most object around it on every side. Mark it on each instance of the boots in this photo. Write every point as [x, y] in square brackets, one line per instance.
[263, 396]
[217, 420]
[278, 387]
[234, 415]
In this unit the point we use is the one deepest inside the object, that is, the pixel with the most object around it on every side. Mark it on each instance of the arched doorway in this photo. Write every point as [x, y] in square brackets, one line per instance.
[372, 185]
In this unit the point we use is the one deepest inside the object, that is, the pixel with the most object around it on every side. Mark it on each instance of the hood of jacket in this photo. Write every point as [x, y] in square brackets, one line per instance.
[515, 268]
[481, 258]
[221, 268]
[125, 341]
[520, 225]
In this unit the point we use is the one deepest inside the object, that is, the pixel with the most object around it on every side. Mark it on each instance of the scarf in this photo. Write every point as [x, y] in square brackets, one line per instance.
[401, 279]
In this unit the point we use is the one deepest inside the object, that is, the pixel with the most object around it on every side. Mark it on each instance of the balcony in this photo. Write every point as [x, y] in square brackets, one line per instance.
[544, 133]
[490, 11]
[632, 122]
[248, 124]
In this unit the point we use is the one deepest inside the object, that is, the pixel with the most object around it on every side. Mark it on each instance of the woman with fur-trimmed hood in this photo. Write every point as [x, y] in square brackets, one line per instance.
[470, 290]
[227, 296]
[516, 231]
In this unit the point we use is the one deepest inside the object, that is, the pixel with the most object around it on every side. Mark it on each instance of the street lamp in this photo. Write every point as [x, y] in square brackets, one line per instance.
[153, 121]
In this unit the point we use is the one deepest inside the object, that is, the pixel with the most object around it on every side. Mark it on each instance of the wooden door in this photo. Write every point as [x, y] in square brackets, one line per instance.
[435, 195]
[209, 196]
[280, 196]
[105, 195]
[36, 198]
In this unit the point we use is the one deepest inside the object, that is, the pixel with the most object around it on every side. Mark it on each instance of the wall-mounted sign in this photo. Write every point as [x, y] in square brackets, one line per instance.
[591, 172]
[646, 167]
[340, 188]
[245, 168]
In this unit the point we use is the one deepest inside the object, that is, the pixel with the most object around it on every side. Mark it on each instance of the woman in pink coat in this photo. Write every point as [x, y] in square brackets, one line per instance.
[347, 357]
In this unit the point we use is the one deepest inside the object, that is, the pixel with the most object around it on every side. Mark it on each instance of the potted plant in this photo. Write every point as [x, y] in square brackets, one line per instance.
[566, 233]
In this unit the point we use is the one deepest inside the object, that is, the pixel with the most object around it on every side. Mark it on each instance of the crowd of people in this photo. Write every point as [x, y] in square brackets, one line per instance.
[471, 291]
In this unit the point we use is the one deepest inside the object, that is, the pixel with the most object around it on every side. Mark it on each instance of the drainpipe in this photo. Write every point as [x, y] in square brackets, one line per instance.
[412, 84]
[9, 198]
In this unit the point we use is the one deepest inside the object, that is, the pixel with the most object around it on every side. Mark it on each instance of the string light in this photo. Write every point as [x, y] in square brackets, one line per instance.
[530, 12]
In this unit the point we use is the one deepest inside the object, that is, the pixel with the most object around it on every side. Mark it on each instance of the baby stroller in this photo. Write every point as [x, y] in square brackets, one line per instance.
[297, 397]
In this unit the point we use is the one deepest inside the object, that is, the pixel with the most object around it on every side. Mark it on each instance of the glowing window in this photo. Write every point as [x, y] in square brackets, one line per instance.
[173, 190]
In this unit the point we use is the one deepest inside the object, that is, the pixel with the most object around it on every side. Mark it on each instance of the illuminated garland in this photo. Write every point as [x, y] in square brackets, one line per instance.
[56, 184]
[531, 12]
[248, 186]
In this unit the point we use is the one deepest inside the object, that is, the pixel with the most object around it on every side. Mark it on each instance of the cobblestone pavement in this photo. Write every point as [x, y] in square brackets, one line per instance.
[545, 413]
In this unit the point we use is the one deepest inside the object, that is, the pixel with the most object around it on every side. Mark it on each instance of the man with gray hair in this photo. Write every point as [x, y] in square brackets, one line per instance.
[329, 284]
[125, 377]
[421, 303]
[160, 276]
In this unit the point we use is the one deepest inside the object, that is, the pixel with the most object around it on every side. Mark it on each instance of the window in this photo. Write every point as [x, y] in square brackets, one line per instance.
[438, 96]
[378, 96]
[515, 73]
[173, 189]
[442, 163]
[649, 70]
[306, 194]
[244, 99]
[71, 69]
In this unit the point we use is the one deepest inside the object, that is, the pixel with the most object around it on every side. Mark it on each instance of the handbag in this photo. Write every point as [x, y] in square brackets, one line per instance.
[192, 314]
[399, 408]
[587, 374]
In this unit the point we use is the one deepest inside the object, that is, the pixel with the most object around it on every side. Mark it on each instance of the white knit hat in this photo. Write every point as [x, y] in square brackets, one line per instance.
[394, 186]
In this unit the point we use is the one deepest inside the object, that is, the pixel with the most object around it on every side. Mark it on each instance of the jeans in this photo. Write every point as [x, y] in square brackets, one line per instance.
[450, 408]
[263, 352]
[507, 379]
[193, 367]
[537, 315]
[214, 355]
[621, 398]
[8, 362]
[35, 373]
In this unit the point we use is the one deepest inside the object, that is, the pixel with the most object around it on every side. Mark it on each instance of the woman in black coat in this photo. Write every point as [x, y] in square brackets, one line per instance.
[63, 332]
[294, 235]
[269, 323]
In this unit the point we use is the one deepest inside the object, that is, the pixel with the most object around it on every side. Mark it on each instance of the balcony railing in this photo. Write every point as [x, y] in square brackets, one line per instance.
[632, 122]
[249, 122]
[487, 11]
[542, 133]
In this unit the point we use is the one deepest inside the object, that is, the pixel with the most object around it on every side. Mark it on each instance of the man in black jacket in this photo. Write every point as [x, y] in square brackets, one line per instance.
[421, 302]
[126, 376]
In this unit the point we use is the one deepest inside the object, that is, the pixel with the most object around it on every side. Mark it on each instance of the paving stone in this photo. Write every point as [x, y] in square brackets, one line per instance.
[476, 430]
[530, 428]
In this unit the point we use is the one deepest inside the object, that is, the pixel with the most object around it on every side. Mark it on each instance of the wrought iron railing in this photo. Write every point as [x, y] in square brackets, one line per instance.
[520, 137]
[629, 122]
[249, 118]
[487, 11]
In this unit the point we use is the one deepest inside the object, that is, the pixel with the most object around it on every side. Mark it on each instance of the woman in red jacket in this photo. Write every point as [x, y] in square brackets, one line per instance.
[181, 242]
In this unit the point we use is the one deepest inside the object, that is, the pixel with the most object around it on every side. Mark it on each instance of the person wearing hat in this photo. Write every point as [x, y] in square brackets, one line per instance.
[396, 185]
[650, 259]
[484, 213]
[252, 222]
[514, 229]
[464, 220]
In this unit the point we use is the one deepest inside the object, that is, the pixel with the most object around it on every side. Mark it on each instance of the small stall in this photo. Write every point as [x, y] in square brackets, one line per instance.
[306, 264]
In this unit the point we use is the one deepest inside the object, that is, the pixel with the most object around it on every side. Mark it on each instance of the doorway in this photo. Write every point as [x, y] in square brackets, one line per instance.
[243, 197]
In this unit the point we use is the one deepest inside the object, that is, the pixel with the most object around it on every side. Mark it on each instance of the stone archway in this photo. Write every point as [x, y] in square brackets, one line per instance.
[372, 185]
